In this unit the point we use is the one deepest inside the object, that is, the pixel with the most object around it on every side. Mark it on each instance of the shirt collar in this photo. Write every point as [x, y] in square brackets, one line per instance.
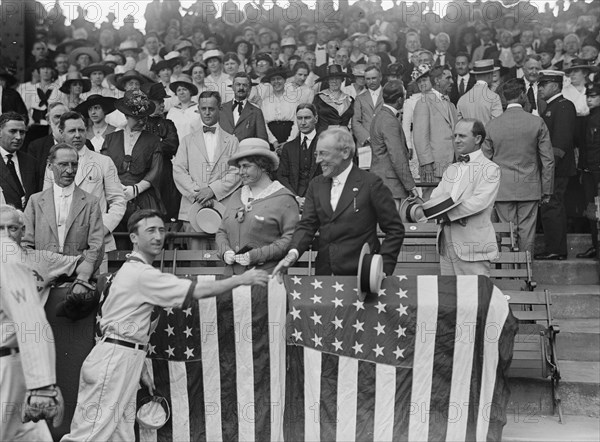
[514, 105]
[5, 152]
[474, 157]
[64, 190]
[376, 91]
[392, 108]
[466, 77]
[343, 176]
[553, 98]
[310, 135]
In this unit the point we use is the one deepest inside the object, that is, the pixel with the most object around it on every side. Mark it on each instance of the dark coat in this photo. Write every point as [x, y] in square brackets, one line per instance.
[31, 181]
[251, 123]
[589, 158]
[289, 164]
[560, 117]
[454, 95]
[365, 202]
[328, 116]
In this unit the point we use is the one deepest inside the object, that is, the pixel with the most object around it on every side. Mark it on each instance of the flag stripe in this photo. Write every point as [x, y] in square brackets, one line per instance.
[385, 389]
[196, 400]
[328, 403]
[180, 412]
[484, 286]
[261, 386]
[466, 318]
[427, 294]
[346, 398]
[146, 434]
[312, 394]
[443, 359]
[404, 409]
[277, 316]
[160, 369]
[497, 314]
[365, 399]
[244, 364]
[294, 410]
[211, 373]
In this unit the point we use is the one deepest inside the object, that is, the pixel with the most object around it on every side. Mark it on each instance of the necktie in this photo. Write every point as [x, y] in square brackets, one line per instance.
[531, 97]
[464, 158]
[237, 104]
[153, 65]
[305, 143]
[461, 87]
[63, 210]
[13, 173]
[211, 129]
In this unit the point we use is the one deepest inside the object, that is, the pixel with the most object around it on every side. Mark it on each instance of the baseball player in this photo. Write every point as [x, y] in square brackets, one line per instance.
[109, 376]
[27, 357]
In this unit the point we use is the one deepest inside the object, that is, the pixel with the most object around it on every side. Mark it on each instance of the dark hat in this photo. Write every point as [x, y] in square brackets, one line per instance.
[164, 64]
[135, 104]
[43, 63]
[547, 48]
[121, 79]
[579, 63]
[107, 104]
[8, 77]
[239, 42]
[264, 57]
[392, 91]
[396, 69]
[186, 84]
[309, 30]
[154, 91]
[73, 77]
[550, 76]
[592, 89]
[69, 45]
[279, 71]
[84, 50]
[196, 64]
[334, 71]
[106, 70]
[591, 42]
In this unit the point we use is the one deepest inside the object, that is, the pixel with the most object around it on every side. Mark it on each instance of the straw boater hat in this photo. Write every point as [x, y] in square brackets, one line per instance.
[213, 53]
[484, 67]
[370, 273]
[153, 412]
[129, 45]
[121, 79]
[411, 210]
[288, 41]
[186, 82]
[73, 77]
[107, 104]
[73, 56]
[333, 71]
[579, 63]
[135, 104]
[279, 71]
[254, 146]
[97, 67]
[439, 205]
[206, 219]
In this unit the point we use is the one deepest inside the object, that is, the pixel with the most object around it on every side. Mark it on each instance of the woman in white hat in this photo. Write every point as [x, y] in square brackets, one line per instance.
[183, 113]
[217, 79]
[261, 216]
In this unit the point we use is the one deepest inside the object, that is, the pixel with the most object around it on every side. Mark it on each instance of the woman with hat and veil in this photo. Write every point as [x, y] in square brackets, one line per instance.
[138, 157]
[260, 216]
[94, 110]
[334, 107]
[70, 91]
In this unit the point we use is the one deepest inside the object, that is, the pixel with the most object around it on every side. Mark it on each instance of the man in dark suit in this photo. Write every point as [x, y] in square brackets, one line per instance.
[18, 171]
[345, 205]
[560, 117]
[239, 117]
[463, 81]
[390, 160]
[441, 56]
[297, 165]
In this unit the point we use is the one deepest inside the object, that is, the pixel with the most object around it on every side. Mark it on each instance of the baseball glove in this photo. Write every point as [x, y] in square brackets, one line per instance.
[44, 403]
[78, 305]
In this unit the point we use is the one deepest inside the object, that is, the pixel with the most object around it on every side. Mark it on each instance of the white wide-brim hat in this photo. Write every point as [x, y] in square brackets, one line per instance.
[254, 146]
[370, 273]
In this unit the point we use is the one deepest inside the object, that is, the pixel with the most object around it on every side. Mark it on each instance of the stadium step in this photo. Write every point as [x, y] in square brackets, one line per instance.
[574, 301]
[570, 271]
[526, 428]
[576, 243]
[578, 340]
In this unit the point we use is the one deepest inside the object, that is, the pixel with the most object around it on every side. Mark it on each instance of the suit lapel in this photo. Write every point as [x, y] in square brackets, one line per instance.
[48, 210]
[83, 167]
[77, 205]
[441, 108]
[325, 196]
[348, 193]
[221, 147]
[314, 165]
[228, 113]
[6, 177]
[246, 112]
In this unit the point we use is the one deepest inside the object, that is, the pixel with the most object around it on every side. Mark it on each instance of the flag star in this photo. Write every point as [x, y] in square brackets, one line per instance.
[357, 347]
[316, 318]
[316, 299]
[169, 330]
[189, 352]
[380, 328]
[151, 349]
[359, 305]
[169, 310]
[358, 326]
[170, 351]
[338, 302]
[297, 335]
[401, 277]
[399, 353]
[188, 311]
[296, 280]
[317, 341]
[295, 294]
[317, 284]
[337, 322]
[338, 287]
[400, 331]
[295, 313]
[378, 350]
[402, 310]
[188, 332]
[337, 344]
[401, 293]
[381, 293]
[380, 307]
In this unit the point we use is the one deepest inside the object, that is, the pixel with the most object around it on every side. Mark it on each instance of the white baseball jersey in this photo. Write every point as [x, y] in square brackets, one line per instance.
[23, 322]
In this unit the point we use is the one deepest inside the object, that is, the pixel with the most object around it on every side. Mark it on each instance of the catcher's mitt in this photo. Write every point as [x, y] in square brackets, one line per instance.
[44, 403]
[78, 305]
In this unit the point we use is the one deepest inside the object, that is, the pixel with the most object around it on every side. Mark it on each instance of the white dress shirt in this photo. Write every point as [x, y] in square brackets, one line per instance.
[309, 138]
[210, 141]
[320, 54]
[238, 110]
[464, 172]
[460, 78]
[337, 185]
[375, 95]
[63, 197]
[15, 161]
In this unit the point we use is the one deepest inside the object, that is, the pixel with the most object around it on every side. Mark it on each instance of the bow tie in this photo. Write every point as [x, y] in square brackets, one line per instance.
[236, 104]
[464, 158]
[211, 129]
[439, 53]
[319, 48]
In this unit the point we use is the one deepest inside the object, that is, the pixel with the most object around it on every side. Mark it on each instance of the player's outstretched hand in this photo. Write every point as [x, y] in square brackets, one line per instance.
[255, 277]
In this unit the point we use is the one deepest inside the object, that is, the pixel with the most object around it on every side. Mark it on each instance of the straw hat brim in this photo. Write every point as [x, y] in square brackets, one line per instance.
[83, 50]
[252, 152]
[209, 220]
[370, 273]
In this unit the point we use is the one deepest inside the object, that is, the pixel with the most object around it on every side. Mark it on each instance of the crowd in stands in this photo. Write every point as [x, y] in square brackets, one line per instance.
[156, 118]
